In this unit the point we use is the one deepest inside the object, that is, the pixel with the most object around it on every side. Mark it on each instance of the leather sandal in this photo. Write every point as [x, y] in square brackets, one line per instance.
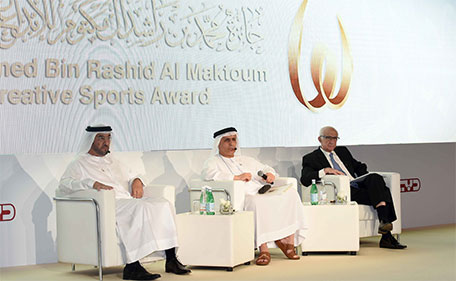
[288, 250]
[263, 259]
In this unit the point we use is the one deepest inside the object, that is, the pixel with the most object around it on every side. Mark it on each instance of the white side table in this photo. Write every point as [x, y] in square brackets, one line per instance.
[332, 227]
[218, 240]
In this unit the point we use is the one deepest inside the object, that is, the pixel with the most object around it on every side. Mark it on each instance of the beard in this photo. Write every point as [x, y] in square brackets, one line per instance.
[102, 151]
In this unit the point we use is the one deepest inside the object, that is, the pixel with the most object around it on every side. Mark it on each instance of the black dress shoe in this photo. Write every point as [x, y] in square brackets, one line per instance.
[176, 267]
[138, 272]
[388, 241]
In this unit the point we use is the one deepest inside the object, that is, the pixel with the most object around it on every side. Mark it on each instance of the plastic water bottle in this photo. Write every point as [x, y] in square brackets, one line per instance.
[209, 202]
[314, 193]
[203, 201]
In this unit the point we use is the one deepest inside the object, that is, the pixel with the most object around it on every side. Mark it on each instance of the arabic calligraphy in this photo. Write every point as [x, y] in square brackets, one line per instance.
[132, 23]
[324, 78]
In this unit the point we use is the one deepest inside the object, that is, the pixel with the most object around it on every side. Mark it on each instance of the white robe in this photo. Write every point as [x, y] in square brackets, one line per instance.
[277, 215]
[143, 225]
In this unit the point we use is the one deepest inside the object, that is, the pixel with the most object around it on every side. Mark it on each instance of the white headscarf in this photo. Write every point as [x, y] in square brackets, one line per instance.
[89, 137]
[215, 149]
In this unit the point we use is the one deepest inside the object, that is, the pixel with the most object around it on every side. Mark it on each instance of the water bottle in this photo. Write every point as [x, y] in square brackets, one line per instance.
[209, 202]
[314, 193]
[203, 201]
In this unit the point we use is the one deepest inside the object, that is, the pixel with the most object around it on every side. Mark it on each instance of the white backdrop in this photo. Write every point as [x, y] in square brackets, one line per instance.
[400, 90]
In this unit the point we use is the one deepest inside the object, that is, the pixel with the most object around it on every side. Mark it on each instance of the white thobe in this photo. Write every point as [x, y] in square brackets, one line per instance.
[144, 225]
[277, 215]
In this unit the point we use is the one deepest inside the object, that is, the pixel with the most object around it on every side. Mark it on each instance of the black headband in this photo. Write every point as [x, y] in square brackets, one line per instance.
[223, 131]
[99, 129]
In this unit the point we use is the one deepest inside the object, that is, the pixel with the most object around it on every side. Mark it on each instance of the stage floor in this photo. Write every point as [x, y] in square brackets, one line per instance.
[431, 255]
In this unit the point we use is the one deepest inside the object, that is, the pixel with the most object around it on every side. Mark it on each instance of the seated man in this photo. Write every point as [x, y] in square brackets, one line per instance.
[372, 190]
[278, 216]
[144, 225]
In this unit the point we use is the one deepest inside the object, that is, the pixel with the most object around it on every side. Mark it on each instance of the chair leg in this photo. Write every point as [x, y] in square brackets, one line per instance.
[100, 273]
[73, 267]
[398, 237]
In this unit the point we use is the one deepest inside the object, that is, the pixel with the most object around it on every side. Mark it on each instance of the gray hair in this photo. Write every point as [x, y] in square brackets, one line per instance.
[326, 128]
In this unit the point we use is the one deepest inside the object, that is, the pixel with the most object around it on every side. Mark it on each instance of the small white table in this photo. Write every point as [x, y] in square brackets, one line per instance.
[332, 227]
[217, 240]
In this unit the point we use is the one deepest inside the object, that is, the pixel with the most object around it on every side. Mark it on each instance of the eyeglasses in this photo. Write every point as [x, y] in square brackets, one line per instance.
[330, 138]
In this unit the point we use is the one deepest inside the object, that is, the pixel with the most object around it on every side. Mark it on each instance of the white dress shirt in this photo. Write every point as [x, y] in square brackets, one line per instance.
[321, 173]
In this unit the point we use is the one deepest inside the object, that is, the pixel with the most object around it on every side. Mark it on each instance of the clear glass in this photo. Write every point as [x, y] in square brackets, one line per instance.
[323, 197]
[196, 206]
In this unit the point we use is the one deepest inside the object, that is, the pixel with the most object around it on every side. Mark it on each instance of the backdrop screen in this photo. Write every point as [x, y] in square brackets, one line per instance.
[166, 74]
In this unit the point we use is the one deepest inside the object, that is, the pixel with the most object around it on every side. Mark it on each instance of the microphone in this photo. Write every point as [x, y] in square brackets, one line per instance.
[235, 148]
[264, 189]
[263, 175]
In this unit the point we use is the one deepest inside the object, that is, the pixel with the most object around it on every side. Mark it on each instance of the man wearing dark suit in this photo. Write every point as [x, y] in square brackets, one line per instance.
[372, 190]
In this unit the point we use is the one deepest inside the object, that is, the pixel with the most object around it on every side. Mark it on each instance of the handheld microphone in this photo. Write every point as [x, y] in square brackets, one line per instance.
[263, 175]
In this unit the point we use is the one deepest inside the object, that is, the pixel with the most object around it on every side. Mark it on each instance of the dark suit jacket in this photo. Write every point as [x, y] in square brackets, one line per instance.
[316, 160]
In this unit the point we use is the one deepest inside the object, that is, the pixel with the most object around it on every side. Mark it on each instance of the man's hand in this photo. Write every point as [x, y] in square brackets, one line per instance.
[99, 186]
[243, 177]
[137, 188]
[331, 171]
[270, 178]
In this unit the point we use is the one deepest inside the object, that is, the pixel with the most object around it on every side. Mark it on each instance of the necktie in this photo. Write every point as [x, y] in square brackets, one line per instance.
[337, 167]
[334, 163]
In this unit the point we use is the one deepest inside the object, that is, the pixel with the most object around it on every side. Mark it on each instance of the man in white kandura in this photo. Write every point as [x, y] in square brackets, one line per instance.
[144, 225]
[279, 217]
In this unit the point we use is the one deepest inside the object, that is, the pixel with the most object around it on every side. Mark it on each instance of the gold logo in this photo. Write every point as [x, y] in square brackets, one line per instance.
[324, 83]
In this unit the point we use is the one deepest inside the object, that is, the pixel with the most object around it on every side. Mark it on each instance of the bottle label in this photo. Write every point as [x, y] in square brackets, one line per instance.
[210, 208]
[314, 198]
[202, 208]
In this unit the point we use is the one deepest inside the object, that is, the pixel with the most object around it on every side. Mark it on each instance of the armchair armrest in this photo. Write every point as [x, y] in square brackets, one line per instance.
[159, 190]
[235, 189]
[334, 184]
[77, 227]
[342, 184]
[285, 181]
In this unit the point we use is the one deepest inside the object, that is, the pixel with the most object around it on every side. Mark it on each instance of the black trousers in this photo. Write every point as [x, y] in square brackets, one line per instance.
[373, 190]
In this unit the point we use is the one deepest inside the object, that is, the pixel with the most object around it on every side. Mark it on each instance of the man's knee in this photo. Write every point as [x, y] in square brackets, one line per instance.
[375, 178]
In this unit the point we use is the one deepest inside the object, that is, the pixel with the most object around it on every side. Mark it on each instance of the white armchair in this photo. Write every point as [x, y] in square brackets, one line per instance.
[233, 190]
[368, 220]
[86, 226]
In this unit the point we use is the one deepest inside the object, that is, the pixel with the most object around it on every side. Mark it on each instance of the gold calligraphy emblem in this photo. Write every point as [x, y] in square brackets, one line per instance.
[325, 83]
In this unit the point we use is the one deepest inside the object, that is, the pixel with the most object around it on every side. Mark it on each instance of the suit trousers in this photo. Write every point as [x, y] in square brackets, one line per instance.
[373, 190]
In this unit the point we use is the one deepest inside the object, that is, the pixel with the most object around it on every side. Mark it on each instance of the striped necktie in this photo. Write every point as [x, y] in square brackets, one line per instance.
[337, 167]
[334, 163]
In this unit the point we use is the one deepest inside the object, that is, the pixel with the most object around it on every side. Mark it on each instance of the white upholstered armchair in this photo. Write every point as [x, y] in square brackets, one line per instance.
[86, 226]
[368, 220]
